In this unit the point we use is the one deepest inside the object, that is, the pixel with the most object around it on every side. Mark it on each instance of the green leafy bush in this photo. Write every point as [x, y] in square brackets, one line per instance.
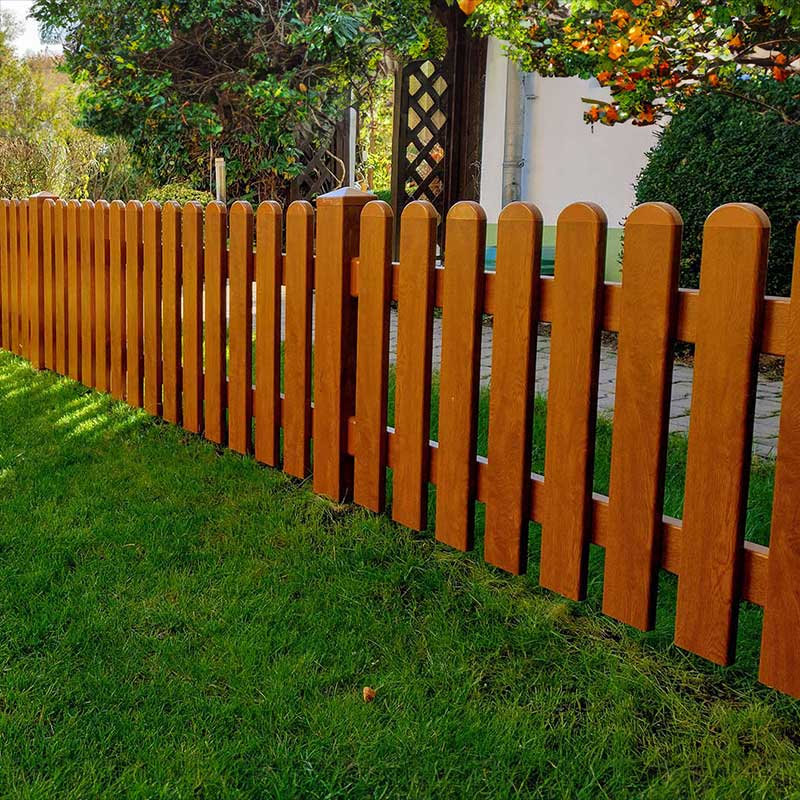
[181, 193]
[724, 150]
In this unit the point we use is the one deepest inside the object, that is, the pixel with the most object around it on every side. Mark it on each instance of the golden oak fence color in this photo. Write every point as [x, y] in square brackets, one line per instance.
[160, 307]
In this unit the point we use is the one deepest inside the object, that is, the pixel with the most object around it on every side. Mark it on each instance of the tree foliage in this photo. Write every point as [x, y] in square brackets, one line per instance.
[720, 150]
[248, 80]
[40, 145]
[653, 55]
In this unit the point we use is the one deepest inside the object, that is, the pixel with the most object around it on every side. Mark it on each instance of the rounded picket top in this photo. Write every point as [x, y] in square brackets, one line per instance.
[738, 215]
[119, 205]
[655, 214]
[87, 204]
[377, 209]
[520, 211]
[152, 205]
[172, 205]
[467, 211]
[132, 206]
[419, 209]
[269, 209]
[583, 212]
[300, 208]
[241, 207]
[102, 205]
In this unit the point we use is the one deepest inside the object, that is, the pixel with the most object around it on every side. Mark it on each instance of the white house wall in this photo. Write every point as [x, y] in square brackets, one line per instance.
[565, 160]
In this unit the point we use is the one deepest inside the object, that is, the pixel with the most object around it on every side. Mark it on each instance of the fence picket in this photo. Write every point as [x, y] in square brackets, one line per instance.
[268, 261]
[153, 363]
[74, 280]
[519, 247]
[297, 340]
[49, 245]
[87, 298]
[117, 299]
[171, 298]
[24, 281]
[61, 289]
[102, 296]
[5, 275]
[458, 383]
[650, 267]
[13, 269]
[372, 355]
[413, 367]
[36, 263]
[732, 273]
[134, 313]
[572, 398]
[193, 261]
[780, 655]
[216, 269]
[240, 402]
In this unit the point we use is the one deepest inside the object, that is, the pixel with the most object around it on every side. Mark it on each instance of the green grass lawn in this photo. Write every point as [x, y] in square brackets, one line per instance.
[178, 621]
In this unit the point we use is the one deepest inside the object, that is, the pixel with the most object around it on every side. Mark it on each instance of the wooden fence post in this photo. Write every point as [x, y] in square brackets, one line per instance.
[36, 277]
[338, 228]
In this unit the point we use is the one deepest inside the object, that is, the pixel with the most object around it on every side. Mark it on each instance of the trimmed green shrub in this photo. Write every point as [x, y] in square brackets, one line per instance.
[181, 193]
[722, 149]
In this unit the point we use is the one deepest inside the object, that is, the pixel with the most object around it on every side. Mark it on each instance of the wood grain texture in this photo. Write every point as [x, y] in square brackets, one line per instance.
[240, 370]
[458, 388]
[216, 276]
[572, 398]
[102, 313]
[117, 300]
[171, 276]
[780, 653]
[5, 275]
[268, 267]
[13, 270]
[338, 226]
[48, 277]
[22, 260]
[74, 288]
[519, 249]
[732, 274]
[413, 367]
[36, 281]
[134, 311]
[372, 356]
[193, 278]
[61, 290]
[87, 293]
[152, 277]
[650, 268]
[297, 340]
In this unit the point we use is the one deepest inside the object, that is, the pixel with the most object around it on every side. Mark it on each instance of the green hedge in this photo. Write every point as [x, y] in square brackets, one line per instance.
[181, 193]
[722, 150]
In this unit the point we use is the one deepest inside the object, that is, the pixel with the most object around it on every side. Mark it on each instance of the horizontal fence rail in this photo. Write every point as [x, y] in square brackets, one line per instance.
[178, 311]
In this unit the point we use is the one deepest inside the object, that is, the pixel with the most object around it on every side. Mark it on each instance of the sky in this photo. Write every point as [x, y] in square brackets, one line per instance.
[29, 42]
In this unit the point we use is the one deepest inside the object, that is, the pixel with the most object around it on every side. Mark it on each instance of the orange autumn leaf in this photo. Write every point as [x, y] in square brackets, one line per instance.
[368, 693]
[780, 74]
[735, 42]
[612, 115]
[617, 49]
[583, 46]
[620, 17]
[603, 77]
[637, 3]
[713, 79]
[638, 36]
[594, 113]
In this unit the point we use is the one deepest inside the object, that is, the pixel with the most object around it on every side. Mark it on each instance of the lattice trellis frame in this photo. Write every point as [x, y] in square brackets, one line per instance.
[425, 88]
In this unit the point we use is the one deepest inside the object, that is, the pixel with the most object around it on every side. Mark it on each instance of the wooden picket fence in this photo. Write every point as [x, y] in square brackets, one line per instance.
[141, 302]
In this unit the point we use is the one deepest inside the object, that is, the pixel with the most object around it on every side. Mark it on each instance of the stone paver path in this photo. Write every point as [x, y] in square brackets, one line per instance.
[768, 399]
